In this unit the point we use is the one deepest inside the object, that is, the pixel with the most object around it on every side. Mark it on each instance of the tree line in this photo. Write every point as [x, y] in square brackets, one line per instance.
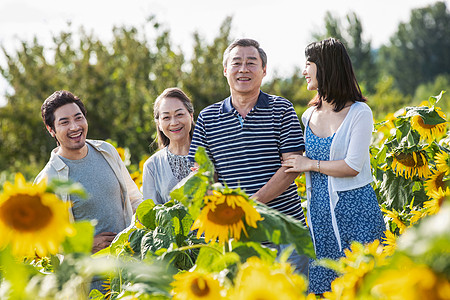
[119, 80]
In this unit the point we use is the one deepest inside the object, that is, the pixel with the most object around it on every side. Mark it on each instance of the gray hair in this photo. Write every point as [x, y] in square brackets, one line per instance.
[245, 43]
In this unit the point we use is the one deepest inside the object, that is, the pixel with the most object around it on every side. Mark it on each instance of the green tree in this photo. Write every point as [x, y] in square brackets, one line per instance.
[292, 88]
[118, 82]
[360, 51]
[418, 51]
[441, 83]
[205, 82]
[386, 98]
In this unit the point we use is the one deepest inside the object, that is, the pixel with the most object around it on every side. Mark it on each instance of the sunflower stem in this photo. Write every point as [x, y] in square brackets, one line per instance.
[227, 246]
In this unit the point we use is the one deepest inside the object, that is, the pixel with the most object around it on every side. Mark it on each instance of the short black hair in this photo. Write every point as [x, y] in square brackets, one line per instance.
[55, 101]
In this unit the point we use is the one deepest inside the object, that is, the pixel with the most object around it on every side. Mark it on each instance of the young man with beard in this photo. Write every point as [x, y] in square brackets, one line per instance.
[112, 195]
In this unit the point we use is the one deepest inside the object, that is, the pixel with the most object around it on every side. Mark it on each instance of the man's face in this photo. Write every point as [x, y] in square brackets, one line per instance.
[244, 70]
[71, 128]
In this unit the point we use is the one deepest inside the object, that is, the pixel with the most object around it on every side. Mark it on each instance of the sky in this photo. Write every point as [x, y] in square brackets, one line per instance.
[282, 27]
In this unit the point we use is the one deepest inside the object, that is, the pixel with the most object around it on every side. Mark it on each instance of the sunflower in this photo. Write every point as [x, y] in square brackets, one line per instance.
[437, 198]
[410, 164]
[106, 285]
[434, 182]
[223, 215]
[257, 279]
[416, 216]
[358, 261]
[428, 131]
[137, 178]
[442, 160]
[195, 285]
[32, 221]
[394, 216]
[408, 280]
[390, 243]
[124, 154]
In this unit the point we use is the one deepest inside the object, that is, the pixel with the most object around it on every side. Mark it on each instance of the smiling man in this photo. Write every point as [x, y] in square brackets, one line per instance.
[249, 133]
[113, 195]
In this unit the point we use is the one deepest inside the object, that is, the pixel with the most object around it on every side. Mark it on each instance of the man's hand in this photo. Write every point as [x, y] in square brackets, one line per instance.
[102, 240]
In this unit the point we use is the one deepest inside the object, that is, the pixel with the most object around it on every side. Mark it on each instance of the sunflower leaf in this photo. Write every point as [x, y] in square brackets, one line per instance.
[146, 214]
[211, 259]
[279, 228]
[82, 241]
[60, 187]
[428, 114]
[396, 190]
[435, 99]
[249, 249]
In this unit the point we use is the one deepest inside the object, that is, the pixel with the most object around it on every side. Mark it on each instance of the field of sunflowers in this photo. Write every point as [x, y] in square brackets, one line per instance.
[206, 243]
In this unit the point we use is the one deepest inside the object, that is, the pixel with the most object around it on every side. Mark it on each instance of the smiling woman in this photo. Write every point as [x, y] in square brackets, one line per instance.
[173, 112]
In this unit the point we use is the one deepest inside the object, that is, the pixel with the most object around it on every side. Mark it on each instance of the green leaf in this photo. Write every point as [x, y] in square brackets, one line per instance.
[396, 190]
[96, 295]
[59, 187]
[178, 258]
[435, 99]
[15, 273]
[146, 214]
[280, 229]
[205, 164]
[83, 239]
[211, 259]
[136, 239]
[428, 114]
[249, 249]
[120, 239]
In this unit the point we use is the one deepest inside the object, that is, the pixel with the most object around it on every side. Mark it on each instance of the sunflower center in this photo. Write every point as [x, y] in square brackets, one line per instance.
[407, 159]
[225, 214]
[440, 182]
[199, 287]
[423, 125]
[23, 212]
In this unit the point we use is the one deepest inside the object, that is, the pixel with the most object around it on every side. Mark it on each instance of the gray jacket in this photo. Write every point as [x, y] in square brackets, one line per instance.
[157, 178]
[131, 196]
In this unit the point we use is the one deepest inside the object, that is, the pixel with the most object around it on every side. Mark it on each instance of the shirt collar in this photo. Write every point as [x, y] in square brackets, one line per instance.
[263, 101]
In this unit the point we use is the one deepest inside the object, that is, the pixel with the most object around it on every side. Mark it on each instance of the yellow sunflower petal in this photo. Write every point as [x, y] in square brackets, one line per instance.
[196, 286]
[223, 217]
[32, 220]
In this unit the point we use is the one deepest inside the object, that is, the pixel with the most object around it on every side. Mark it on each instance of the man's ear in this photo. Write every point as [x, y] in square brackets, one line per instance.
[225, 71]
[50, 130]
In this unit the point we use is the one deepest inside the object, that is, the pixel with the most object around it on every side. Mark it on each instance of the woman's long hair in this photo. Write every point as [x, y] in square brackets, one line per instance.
[337, 83]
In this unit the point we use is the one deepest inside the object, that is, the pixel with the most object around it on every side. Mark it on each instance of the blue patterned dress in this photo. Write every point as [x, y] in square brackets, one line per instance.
[357, 213]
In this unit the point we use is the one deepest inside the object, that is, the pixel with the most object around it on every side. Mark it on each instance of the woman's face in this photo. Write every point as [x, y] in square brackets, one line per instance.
[310, 73]
[174, 120]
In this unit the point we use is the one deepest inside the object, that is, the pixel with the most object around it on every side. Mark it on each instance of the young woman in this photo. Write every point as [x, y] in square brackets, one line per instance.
[173, 113]
[342, 206]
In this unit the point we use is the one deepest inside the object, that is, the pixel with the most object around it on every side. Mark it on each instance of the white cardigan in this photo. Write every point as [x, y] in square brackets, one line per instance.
[351, 143]
[157, 178]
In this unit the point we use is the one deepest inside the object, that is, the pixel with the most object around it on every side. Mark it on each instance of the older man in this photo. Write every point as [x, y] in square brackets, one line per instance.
[249, 133]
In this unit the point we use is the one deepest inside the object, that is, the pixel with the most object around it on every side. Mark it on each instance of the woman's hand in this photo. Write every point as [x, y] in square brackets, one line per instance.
[297, 163]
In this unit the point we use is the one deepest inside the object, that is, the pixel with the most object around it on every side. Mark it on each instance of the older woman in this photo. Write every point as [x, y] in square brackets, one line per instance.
[173, 113]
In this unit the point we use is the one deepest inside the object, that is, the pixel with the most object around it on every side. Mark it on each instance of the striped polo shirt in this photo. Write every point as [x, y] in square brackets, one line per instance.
[246, 153]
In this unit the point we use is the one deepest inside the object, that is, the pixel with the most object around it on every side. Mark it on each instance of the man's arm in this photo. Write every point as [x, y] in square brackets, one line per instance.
[277, 184]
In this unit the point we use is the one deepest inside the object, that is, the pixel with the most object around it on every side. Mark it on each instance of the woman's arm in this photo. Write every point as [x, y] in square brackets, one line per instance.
[335, 168]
